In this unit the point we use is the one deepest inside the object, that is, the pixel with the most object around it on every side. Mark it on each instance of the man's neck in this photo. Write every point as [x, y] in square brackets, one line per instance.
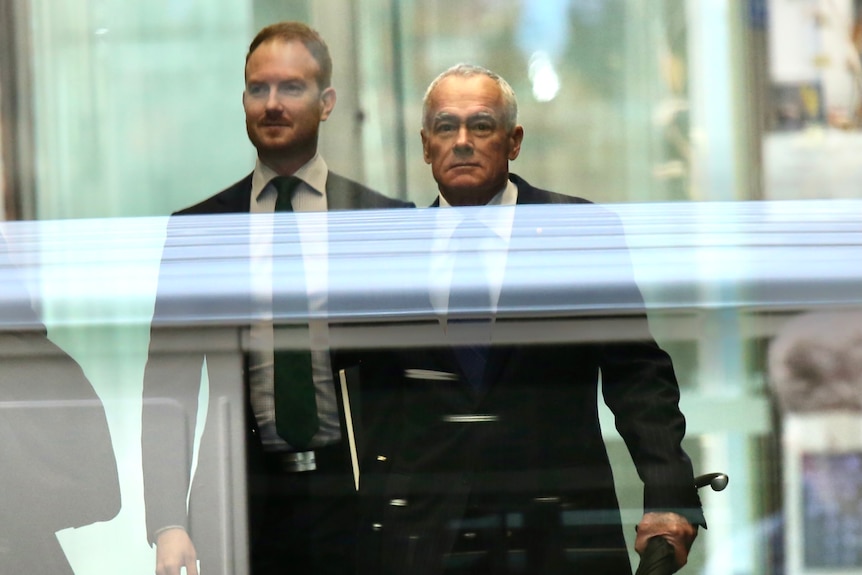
[286, 165]
[466, 198]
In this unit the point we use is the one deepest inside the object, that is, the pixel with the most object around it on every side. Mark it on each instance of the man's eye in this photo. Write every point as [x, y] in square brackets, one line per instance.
[291, 89]
[482, 127]
[445, 128]
[257, 90]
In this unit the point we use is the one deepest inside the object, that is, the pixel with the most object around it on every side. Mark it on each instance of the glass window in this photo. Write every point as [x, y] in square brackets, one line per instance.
[724, 135]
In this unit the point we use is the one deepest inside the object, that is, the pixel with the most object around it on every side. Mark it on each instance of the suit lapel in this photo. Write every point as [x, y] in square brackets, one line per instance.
[233, 200]
[341, 193]
[237, 199]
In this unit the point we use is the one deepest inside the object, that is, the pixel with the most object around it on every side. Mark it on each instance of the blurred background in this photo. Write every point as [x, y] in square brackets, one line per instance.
[122, 112]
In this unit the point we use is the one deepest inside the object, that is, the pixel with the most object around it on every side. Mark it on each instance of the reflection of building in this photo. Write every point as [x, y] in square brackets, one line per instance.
[814, 64]
[797, 105]
[815, 366]
[813, 144]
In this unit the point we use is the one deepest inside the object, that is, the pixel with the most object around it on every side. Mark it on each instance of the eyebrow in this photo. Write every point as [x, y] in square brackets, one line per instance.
[278, 81]
[449, 117]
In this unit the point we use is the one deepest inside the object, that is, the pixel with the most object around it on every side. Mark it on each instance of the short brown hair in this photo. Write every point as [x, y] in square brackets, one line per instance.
[298, 32]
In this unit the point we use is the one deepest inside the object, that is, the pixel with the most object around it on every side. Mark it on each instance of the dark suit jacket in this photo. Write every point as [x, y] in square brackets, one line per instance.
[58, 466]
[172, 383]
[537, 437]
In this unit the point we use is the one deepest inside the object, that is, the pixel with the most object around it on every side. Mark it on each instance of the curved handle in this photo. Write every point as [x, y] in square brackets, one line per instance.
[717, 481]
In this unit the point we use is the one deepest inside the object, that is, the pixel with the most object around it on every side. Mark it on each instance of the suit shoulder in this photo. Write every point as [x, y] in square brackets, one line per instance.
[605, 212]
[345, 193]
[530, 194]
[557, 198]
[233, 199]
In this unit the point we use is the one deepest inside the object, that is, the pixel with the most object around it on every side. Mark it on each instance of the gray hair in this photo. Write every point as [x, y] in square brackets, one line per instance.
[510, 102]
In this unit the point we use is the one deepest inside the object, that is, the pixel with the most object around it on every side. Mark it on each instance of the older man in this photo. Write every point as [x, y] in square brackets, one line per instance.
[486, 456]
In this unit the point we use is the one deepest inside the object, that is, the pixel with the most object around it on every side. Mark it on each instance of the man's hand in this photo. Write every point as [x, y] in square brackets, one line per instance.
[174, 549]
[674, 528]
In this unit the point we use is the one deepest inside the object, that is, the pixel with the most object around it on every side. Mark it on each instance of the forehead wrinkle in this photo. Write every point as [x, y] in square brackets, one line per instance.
[445, 116]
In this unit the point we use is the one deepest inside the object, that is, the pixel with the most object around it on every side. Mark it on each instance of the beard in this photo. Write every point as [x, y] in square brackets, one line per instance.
[287, 143]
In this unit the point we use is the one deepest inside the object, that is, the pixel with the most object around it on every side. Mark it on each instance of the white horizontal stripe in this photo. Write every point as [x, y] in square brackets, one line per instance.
[475, 418]
[430, 374]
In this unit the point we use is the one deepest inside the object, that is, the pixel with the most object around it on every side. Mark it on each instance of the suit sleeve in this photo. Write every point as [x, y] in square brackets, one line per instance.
[640, 387]
[170, 397]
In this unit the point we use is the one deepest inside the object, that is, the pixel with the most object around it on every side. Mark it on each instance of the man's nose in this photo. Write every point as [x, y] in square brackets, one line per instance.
[463, 143]
[272, 101]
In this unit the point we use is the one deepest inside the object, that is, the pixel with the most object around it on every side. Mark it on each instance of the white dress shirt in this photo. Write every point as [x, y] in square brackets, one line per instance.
[498, 215]
[309, 198]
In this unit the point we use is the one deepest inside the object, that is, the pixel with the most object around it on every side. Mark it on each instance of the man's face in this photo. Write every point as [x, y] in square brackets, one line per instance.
[283, 103]
[466, 141]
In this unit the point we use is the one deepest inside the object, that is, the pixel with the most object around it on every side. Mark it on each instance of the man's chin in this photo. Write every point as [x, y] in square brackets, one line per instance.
[271, 146]
[464, 179]
[270, 136]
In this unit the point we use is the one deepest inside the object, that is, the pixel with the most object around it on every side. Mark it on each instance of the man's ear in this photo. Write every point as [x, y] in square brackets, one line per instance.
[515, 139]
[327, 101]
[426, 153]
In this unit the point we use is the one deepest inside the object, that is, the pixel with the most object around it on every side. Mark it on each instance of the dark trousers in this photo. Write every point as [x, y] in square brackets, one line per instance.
[495, 538]
[302, 522]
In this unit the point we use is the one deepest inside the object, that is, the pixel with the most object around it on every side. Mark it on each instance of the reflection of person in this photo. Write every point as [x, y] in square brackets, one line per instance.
[469, 463]
[300, 514]
[58, 467]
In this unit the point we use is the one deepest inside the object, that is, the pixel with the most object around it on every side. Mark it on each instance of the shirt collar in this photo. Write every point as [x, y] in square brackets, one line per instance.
[496, 219]
[313, 173]
[508, 196]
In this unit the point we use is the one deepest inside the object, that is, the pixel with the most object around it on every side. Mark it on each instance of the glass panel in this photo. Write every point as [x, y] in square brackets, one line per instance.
[710, 106]
[129, 100]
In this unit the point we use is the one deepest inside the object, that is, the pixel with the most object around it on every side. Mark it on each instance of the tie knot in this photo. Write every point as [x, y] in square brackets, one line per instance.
[284, 185]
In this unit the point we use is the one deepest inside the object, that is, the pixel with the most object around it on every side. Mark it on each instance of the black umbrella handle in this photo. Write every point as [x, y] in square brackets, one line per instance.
[657, 559]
